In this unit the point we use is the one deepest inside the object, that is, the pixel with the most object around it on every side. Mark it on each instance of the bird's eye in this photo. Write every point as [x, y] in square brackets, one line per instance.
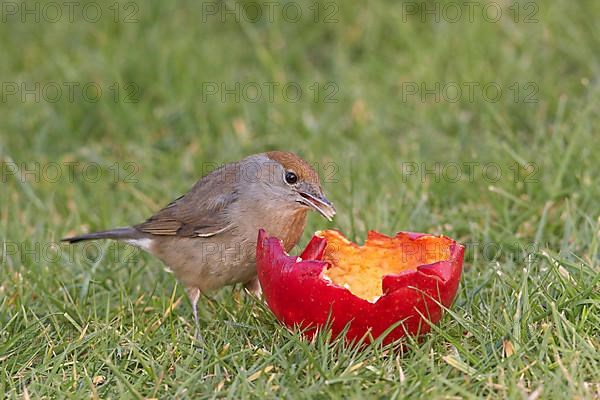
[291, 177]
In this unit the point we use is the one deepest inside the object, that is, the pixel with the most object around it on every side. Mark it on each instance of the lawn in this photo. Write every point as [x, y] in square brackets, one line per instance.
[478, 121]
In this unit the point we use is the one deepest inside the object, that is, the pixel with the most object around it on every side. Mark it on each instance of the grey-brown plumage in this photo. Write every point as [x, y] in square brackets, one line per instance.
[207, 237]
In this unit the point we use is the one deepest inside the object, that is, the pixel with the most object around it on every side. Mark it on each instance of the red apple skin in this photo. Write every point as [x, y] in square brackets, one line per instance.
[299, 296]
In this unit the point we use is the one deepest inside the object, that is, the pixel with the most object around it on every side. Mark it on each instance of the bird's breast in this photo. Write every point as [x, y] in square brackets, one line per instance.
[288, 228]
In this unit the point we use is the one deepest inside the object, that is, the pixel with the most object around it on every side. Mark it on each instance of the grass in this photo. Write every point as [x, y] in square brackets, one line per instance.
[106, 321]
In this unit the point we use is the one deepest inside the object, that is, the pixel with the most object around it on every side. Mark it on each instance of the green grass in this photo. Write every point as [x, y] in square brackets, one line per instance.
[69, 315]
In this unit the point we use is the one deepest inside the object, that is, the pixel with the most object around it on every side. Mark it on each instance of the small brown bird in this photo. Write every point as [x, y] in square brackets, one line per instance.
[207, 237]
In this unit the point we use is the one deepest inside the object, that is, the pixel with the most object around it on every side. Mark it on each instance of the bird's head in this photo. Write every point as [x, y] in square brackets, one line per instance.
[289, 181]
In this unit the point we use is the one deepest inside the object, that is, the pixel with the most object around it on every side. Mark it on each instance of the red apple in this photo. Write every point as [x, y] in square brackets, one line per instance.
[401, 280]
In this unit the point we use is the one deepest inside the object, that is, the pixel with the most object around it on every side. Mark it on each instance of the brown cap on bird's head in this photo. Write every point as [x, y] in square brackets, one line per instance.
[292, 162]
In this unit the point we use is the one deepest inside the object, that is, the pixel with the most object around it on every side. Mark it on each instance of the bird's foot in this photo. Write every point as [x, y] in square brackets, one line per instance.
[194, 296]
[253, 287]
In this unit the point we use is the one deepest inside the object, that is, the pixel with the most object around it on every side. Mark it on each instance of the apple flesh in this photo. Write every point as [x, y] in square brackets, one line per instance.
[400, 282]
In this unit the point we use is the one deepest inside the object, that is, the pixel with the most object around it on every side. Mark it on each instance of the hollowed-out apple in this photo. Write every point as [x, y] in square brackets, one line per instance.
[402, 281]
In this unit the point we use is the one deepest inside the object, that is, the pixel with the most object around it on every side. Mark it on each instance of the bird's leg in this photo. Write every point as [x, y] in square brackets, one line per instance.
[253, 287]
[194, 296]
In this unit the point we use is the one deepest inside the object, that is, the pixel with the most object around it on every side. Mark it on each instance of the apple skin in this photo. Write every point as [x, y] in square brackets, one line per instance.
[299, 296]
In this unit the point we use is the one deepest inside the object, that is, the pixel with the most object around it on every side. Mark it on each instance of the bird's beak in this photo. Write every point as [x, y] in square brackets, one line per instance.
[318, 203]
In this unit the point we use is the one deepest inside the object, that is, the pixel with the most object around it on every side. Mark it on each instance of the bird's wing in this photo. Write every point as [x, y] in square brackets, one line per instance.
[199, 213]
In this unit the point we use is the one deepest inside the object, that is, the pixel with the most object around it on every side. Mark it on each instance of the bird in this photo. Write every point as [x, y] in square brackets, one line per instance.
[207, 237]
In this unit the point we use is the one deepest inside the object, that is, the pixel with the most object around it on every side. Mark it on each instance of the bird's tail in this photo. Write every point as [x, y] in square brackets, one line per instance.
[117, 233]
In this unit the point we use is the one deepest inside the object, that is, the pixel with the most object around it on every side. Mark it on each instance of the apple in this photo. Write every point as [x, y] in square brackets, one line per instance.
[399, 283]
